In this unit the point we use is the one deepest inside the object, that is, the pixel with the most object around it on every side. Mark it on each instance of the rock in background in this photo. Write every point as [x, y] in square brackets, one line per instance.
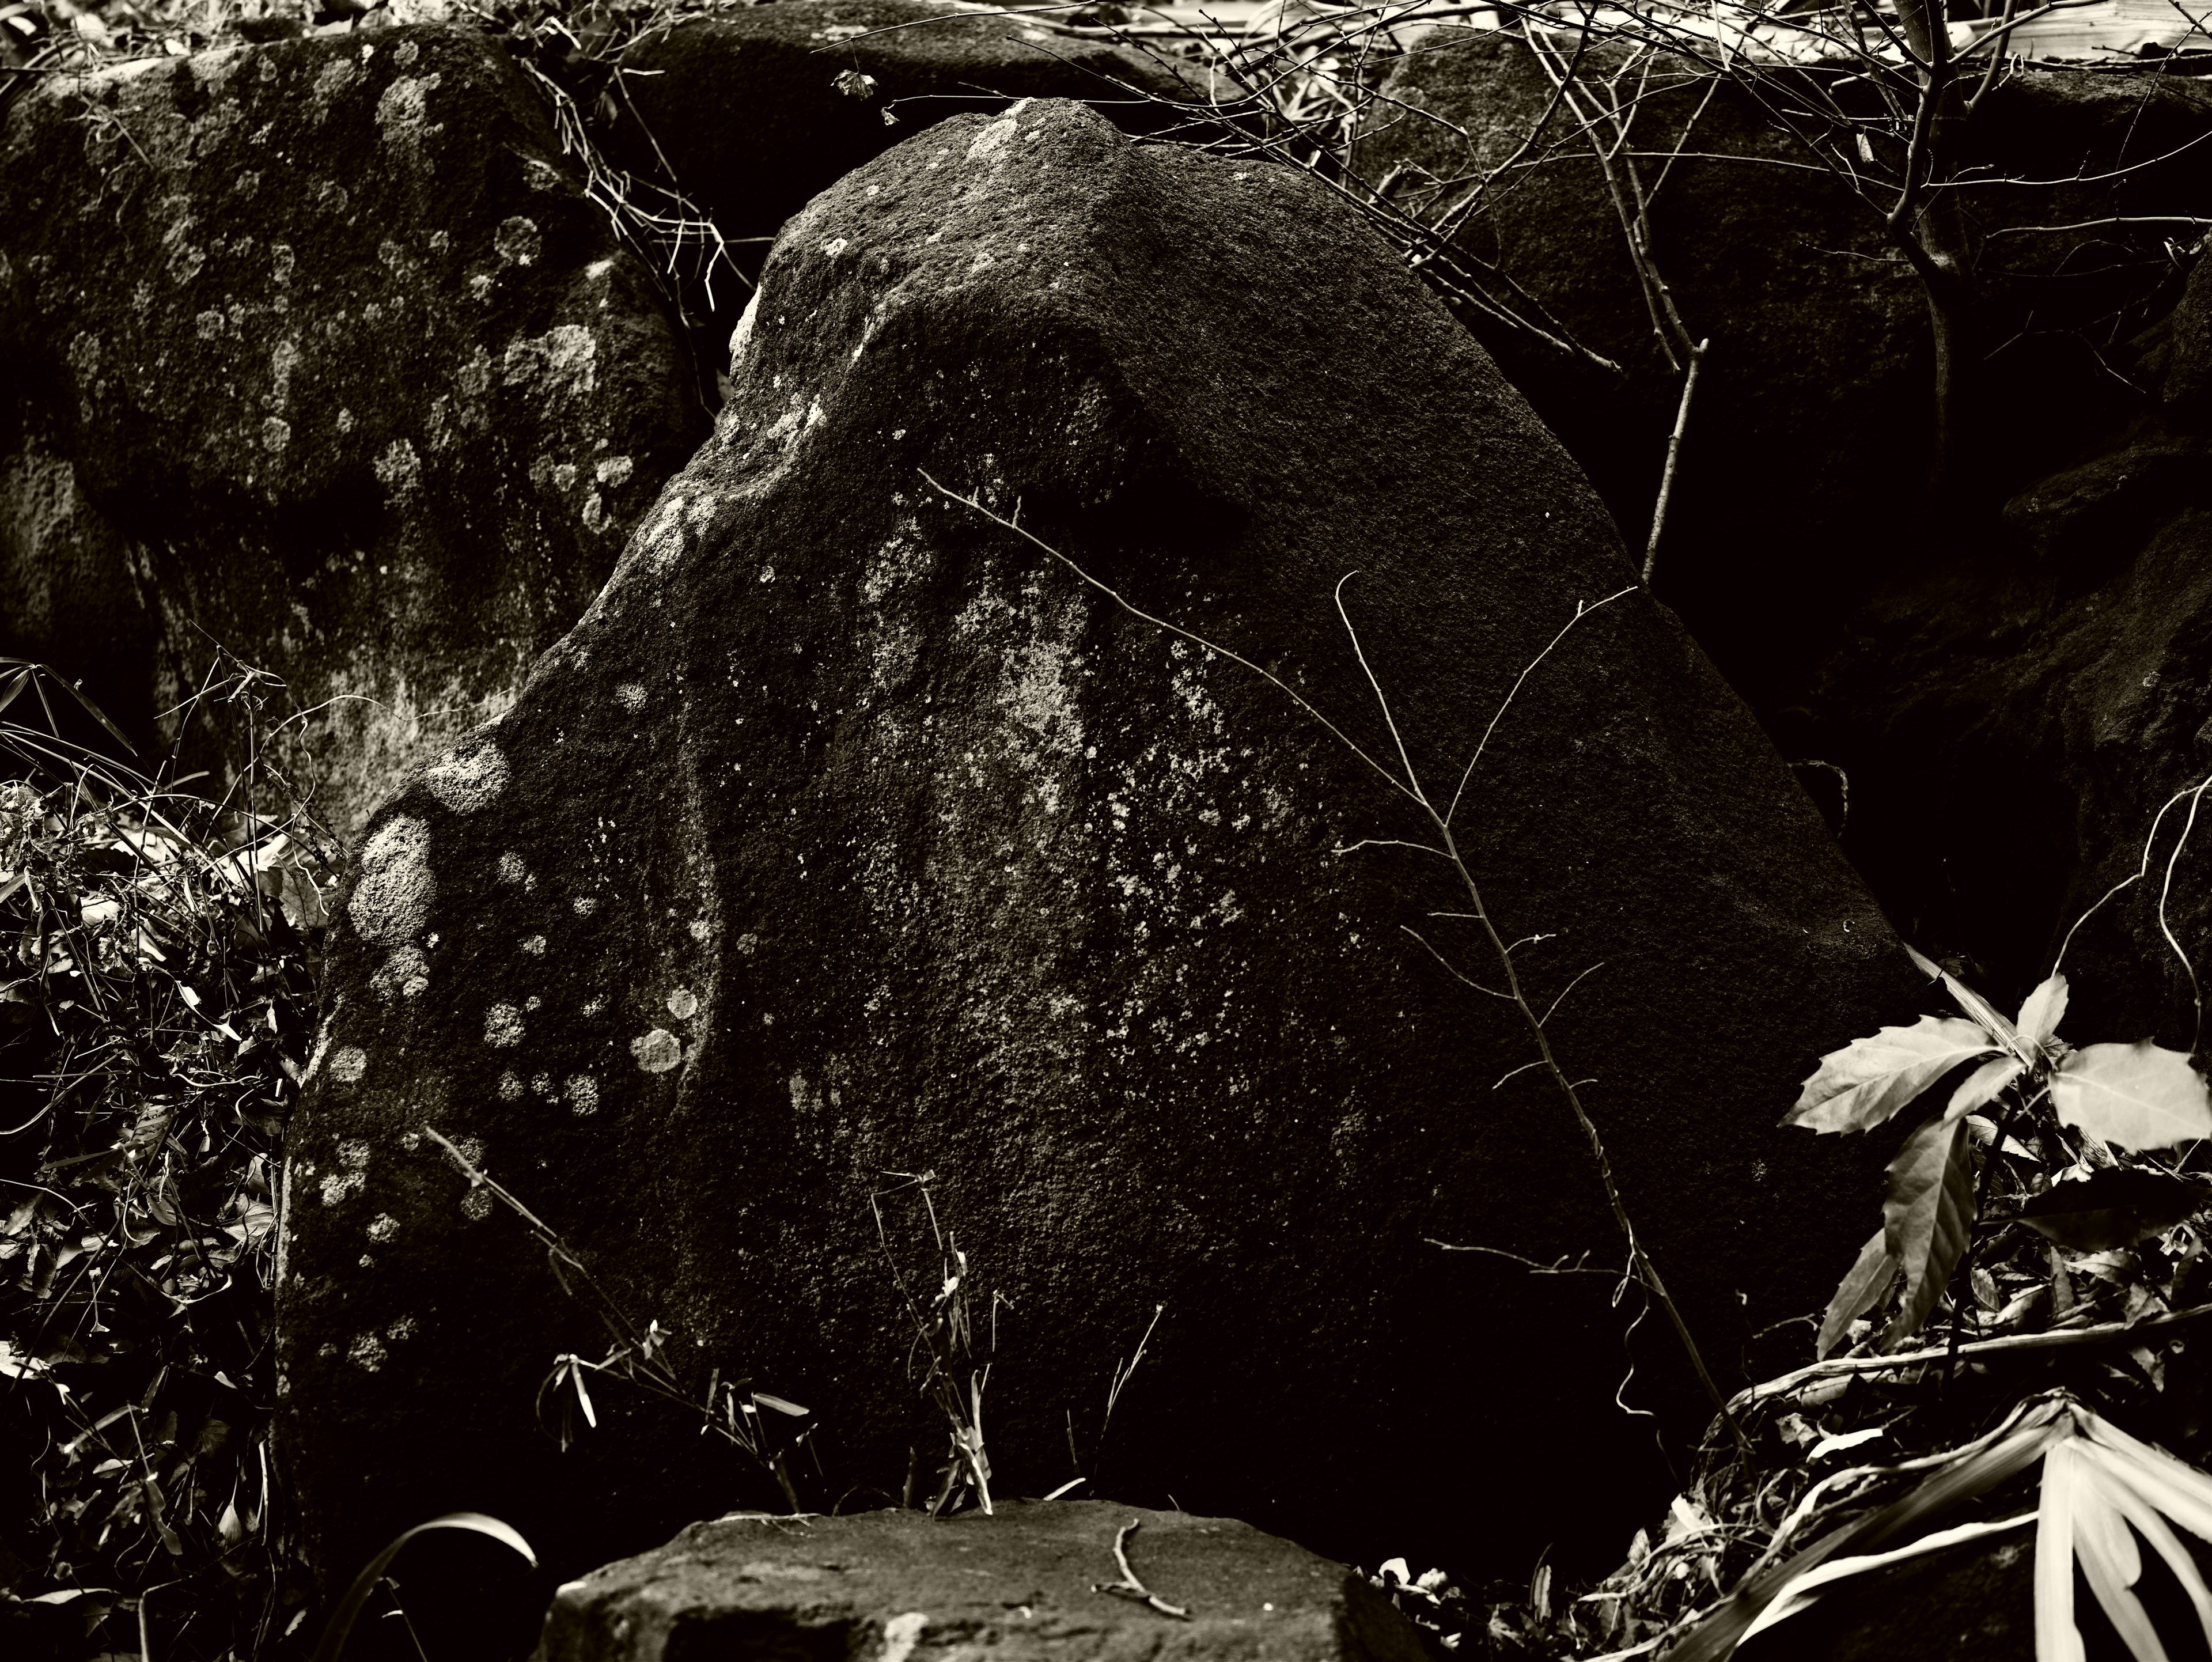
[751, 112]
[849, 835]
[2014, 719]
[1801, 478]
[318, 351]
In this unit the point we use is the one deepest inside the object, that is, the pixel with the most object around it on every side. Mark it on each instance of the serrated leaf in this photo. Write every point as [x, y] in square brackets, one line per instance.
[1860, 1289]
[1928, 1215]
[2044, 1008]
[2139, 1096]
[1859, 1086]
[2111, 1209]
[1979, 1088]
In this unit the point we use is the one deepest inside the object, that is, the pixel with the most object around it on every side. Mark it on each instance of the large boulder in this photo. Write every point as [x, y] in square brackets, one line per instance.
[318, 351]
[1811, 428]
[1024, 1584]
[850, 835]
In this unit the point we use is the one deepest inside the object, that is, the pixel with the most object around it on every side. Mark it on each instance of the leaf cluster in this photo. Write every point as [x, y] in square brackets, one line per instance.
[157, 958]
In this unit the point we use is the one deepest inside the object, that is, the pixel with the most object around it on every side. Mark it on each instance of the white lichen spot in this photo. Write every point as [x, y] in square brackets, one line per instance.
[563, 360]
[584, 905]
[400, 470]
[383, 1227]
[748, 944]
[902, 1634]
[402, 111]
[340, 1184]
[510, 1086]
[630, 695]
[564, 475]
[476, 1205]
[366, 1352]
[345, 421]
[276, 434]
[403, 1330]
[502, 1026]
[684, 1004]
[836, 246]
[511, 868]
[701, 929]
[657, 1051]
[614, 470]
[517, 241]
[281, 260]
[470, 777]
[406, 973]
[594, 514]
[593, 1006]
[391, 904]
[209, 324]
[349, 1064]
[583, 1093]
[535, 946]
[992, 140]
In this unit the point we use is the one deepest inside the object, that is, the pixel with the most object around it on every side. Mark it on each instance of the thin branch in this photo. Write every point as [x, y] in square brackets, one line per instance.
[2059, 1339]
[1554, 1006]
[1455, 970]
[1129, 1587]
[1581, 613]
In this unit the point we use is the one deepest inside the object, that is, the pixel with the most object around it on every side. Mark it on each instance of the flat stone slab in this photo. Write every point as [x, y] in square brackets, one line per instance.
[895, 1586]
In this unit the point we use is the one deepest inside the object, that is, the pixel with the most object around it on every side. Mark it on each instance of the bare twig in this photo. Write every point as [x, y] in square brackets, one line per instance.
[1129, 1587]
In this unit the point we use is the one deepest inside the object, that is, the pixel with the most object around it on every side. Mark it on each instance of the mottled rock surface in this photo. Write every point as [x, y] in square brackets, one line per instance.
[1814, 412]
[1020, 1583]
[316, 350]
[849, 834]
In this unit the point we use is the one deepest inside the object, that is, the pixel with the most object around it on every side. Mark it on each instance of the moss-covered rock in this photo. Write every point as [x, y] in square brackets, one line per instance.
[322, 354]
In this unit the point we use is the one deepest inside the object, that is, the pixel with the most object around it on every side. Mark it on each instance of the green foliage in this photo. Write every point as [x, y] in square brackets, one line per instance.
[2129, 1096]
[155, 1004]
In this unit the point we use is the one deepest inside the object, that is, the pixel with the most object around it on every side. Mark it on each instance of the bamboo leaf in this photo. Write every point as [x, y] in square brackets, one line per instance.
[2111, 1563]
[1859, 1086]
[1979, 1088]
[2056, 1637]
[2111, 1474]
[2139, 1096]
[2044, 1008]
[1928, 1215]
[1862, 1288]
[2111, 1209]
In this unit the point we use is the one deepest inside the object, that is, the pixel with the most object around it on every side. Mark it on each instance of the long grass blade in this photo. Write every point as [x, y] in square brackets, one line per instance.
[340, 1626]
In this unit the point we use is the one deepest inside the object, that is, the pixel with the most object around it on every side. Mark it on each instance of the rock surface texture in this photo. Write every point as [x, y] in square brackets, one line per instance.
[1021, 1584]
[849, 834]
[1813, 415]
[318, 351]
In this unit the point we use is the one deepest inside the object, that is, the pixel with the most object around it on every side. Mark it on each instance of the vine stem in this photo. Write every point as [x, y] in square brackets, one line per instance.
[1646, 1274]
